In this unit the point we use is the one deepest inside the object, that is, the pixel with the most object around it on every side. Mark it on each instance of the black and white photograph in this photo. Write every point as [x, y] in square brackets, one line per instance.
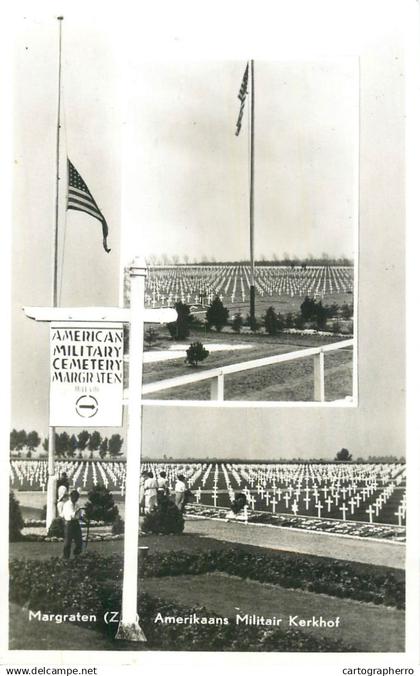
[208, 409]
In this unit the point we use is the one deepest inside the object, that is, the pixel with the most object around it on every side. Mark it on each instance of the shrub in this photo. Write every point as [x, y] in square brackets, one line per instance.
[238, 503]
[217, 314]
[100, 505]
[118, 526]
[15, 519]
[195, 353]
[180, 329]
[56, 529]
[165, 518]
[237, 323]
[271, 322]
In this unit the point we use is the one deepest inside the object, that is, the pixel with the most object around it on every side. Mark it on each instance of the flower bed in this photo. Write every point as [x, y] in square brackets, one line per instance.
[366, 530]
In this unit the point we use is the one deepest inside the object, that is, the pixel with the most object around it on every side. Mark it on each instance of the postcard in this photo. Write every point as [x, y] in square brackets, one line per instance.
[209, 451]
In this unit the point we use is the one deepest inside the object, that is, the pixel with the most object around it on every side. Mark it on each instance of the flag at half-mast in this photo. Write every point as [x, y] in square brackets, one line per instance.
[242, 96]
[80, 198]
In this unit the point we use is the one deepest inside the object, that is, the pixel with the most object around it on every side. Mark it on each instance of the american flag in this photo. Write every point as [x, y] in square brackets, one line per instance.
[242, 96]
[79, 198]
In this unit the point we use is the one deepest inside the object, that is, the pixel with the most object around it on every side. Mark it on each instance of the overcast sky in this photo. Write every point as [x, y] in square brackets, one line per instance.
[188, 174]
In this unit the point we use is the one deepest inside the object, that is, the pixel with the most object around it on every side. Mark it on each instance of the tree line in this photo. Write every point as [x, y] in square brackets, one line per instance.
[67, 446]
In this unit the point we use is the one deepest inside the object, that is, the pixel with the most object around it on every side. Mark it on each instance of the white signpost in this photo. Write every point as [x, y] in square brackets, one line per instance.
[86, 371]
[86, 353]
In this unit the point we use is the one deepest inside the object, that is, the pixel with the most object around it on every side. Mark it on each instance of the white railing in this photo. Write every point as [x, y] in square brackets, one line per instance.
[217, 375]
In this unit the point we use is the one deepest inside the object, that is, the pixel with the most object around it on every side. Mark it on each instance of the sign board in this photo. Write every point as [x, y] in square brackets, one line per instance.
[86, 371]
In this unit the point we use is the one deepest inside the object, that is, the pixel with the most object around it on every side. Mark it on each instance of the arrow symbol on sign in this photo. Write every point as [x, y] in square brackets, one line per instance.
[87, 406]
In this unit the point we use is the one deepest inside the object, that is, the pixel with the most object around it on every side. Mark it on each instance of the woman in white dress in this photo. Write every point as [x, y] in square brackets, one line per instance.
[150, 492]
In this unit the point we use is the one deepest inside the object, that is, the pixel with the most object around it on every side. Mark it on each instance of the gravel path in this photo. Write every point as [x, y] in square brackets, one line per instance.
[347, 548]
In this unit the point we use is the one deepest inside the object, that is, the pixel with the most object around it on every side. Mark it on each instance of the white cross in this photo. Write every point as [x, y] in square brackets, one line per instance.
[274, 503]
[295, 508]
[370, 512]
[307, 500]
[319, 508]
[329, 502]
[343, 510]
[352, 503]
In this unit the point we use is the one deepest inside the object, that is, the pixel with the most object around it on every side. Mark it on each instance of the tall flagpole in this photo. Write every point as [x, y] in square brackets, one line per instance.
[251, 202]
[52, 482]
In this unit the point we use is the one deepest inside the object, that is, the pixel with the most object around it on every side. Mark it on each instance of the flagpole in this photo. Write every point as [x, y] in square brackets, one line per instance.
[51, 488]
[251, 202]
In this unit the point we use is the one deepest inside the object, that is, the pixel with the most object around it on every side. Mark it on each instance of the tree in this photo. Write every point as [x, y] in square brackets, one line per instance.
[46, 444]
[237, 323]
[13, 439]
[217, 314]
[94, 442]
[15, 519]
[308, 309]
[195, 353]
[347, 311]
[114, 445]
[82, 440]
[71, 450]
[151, 336]
[103, 448]
[100, 505]
[33, 440]
[271, 323]
[180, 329]
[62, 443]
[321, 315]
[18, 440]
[343, 456]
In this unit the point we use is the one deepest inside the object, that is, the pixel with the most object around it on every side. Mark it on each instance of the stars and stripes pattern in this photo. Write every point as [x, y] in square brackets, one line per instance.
[242, 96]
[80, 198]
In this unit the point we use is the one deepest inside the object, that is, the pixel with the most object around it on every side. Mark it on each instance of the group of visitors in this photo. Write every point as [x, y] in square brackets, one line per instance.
[152, 489]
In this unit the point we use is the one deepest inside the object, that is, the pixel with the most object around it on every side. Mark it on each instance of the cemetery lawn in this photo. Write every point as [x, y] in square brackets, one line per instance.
[292, 381]
[367, 627]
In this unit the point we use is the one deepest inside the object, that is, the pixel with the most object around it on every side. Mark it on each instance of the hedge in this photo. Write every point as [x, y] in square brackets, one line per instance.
[326, 576]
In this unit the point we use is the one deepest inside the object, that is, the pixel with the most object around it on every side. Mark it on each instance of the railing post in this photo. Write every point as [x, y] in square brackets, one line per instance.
[217, 387]
[319, 389]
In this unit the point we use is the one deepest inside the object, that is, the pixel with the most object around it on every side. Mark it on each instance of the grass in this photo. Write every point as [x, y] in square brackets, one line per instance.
[367, 627]
[292, 381]
[34, 635]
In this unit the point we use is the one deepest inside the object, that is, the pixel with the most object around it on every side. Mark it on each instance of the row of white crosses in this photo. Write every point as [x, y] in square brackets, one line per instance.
[200, 284]
[350, 495]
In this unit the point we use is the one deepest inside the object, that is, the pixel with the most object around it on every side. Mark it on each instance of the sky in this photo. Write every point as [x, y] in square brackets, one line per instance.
[187, 172]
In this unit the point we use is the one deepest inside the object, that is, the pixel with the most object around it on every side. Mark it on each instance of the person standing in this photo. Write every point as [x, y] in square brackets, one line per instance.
[72, 531]
[180, 489]
[143, 477]
[162, 483]
[150, 492]
[62, 497]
